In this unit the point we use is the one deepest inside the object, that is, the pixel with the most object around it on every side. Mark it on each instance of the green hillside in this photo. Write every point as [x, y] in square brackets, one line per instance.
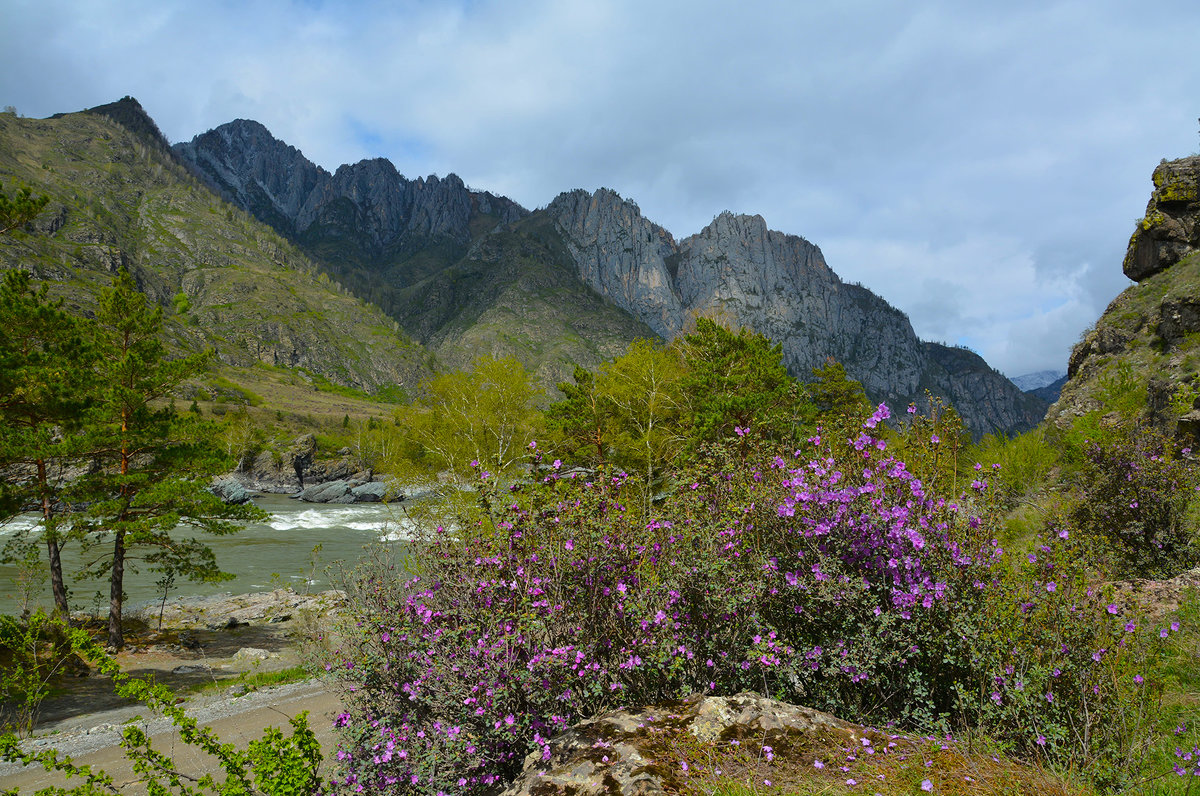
[224, 279]
[517, 294]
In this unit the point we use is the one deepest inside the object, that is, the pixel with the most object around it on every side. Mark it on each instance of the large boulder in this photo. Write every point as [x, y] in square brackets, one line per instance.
[231, 490]
[1170, 229]
[621, 752]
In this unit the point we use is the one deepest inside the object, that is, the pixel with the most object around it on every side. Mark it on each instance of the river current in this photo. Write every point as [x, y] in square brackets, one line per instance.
[283, 551]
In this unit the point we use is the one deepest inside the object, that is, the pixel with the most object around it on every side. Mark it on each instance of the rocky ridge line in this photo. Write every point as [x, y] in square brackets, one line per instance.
[738, 271]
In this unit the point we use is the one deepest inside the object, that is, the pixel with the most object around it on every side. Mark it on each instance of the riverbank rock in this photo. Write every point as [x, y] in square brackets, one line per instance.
[231, 490]
[295, 470]
[623, 752]
[227, 611]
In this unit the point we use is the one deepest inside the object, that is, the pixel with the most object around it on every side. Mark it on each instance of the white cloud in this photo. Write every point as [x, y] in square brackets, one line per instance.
[979, 165]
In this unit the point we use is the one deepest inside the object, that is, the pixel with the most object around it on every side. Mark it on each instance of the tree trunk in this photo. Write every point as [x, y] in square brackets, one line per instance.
[116, 593]
[57, 585]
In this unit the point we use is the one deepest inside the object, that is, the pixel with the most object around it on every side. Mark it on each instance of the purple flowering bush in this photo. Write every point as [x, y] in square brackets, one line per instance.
[827, 576]
[1071, 675]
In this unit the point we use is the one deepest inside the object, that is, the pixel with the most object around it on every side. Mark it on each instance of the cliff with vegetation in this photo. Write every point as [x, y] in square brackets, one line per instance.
[741, 273]
[1143, 354]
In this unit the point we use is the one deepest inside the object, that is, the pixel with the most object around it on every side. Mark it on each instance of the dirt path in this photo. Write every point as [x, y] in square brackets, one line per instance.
[235, 720]
[210, 643]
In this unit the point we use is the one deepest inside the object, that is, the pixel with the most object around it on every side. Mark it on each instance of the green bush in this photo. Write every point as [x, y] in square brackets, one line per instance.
[1135, 490]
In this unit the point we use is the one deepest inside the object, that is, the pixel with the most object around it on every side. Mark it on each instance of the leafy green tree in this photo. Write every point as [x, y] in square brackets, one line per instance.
[736, 380]
[47, 385]
[157, 464]
[486, 415]
[648, 408]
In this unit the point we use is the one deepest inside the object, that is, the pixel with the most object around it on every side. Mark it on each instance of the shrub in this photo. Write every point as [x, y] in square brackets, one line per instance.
[1135, 490]
[828, 576]
[831, 579]
[1069, 675]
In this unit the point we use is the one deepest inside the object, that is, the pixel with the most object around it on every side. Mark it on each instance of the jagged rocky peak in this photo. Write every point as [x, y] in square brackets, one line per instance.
[130, 114]
[1170, 229]
[276, 183]
[255, 170]
[737, 257]
[622, 255]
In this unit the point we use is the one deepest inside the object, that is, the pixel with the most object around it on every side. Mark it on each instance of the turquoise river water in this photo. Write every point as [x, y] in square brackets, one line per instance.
[264, 556]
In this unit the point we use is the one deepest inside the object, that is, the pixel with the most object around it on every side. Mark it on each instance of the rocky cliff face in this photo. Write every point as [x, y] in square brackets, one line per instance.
[1144, 351]
[738, 271]
[1170, 230]
[367, 205]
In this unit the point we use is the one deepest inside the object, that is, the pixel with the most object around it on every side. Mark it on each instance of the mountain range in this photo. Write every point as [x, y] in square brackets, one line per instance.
[442, 273]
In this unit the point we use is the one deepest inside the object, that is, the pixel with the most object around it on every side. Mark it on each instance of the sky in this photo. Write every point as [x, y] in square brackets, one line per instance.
[980, 165]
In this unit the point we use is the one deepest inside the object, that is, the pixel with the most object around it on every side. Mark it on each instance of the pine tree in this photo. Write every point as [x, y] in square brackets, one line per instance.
[19, 209]
[47, 385]
[157, 463]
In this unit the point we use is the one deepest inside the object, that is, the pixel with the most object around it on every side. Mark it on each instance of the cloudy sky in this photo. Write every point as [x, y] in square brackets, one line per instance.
[978, 164]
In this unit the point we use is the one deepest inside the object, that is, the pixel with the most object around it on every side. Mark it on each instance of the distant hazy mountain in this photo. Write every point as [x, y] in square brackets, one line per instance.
[465, 271]
[1032, 381]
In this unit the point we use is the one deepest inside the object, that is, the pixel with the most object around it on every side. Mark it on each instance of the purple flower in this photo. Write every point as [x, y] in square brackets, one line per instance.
[1051, 586]
[926, 785]
[1113, 609]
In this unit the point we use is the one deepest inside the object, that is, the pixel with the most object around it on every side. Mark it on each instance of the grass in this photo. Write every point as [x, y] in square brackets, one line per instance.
[812, 764]
[255, 680]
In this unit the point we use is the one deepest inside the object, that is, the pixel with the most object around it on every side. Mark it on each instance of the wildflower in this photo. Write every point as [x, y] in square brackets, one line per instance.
[1051, 586]
[817, 764]
[926, 785]
[1041, 740]
[1113, 609]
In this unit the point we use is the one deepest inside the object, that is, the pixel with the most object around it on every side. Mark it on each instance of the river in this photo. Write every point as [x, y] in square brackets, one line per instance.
[264, 556]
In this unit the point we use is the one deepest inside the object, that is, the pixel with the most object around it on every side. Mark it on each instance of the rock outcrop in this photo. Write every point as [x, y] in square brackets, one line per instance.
[1170, 230]
[621, 752]
[295, 469]
[738, 271]
[1144, 351]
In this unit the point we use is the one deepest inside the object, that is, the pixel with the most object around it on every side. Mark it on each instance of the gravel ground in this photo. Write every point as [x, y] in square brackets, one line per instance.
[226, 636]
